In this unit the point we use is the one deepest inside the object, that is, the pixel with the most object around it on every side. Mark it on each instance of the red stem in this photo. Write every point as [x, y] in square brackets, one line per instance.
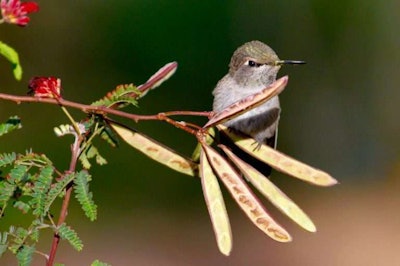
[64, 207]
[97, 109]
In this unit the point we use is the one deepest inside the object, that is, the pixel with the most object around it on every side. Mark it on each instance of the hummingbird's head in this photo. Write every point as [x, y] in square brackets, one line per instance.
[255, 63]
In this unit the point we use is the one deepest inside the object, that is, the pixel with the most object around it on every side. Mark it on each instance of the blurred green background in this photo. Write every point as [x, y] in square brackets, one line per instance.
[339, 114]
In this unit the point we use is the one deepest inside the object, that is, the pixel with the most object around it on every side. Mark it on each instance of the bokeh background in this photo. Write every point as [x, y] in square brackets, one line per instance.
[340, 114]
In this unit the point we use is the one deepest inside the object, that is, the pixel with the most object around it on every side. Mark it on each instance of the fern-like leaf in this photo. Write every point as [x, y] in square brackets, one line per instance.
[3, 243]
[83, 195]
[7, 158]
[84, 161]
[24, 255]
[34, 235]
[18, 174]
[6, 191]
[71, 236]
[42, 186]
[32, 158]
[122, 96]
[20, 234]
[14, 122]
[56, 190]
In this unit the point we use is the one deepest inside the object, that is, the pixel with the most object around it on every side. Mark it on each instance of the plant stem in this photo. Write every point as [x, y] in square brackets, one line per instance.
[98, 109]
[64, 207]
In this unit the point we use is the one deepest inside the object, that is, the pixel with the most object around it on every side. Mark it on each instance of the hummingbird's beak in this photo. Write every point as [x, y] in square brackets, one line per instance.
[289, 62]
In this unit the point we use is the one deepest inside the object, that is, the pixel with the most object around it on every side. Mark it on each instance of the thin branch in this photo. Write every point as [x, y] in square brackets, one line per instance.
[64, 208]
[98, 109]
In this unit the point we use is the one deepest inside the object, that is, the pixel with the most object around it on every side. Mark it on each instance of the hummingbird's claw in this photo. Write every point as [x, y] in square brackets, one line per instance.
[258, 145]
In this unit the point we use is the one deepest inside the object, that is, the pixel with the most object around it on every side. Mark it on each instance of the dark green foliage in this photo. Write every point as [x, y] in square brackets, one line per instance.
[14, 122]
[83, 195]
[70, 235]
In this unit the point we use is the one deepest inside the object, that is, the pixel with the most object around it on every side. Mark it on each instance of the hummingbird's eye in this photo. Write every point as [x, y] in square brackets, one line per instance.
[252, 63]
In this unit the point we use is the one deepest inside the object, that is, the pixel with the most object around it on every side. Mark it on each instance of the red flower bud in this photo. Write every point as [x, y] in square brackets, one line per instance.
[15, 12]
[45, 87]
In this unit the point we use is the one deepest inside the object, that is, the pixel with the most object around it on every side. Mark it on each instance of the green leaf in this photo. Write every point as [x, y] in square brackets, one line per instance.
[42, 186]
[71, 236]
[84, 161]
[89, 153]
[18, 174]
[11, 55]
[99, 263]
[6, 191]
[83, 195]
[34, 234]
[24, 255]
[122, 96]
[3, 243]
[109, 136]
[22, 206]
[20, 234]
[57, 189]
[14, 122]
[34, 158]
[7, 158]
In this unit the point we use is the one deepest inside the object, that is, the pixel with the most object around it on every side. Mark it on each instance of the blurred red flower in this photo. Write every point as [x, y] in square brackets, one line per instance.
[15, 12]
[45, 87]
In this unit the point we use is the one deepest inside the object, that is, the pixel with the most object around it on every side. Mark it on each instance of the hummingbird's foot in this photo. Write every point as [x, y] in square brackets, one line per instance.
[258, 145]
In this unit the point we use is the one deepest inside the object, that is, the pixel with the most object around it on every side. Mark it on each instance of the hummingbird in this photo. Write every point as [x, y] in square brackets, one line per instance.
[253, 67]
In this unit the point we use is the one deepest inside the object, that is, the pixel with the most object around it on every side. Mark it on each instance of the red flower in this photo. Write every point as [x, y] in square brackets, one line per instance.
[15, 12]
[45, 87]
